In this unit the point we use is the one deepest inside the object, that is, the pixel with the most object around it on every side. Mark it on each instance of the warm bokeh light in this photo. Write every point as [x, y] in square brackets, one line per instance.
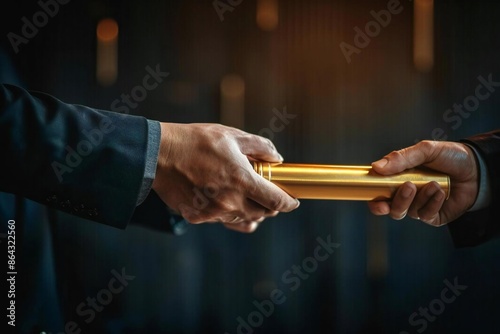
[107, 30]
[107, 52]
[267, 14]
[232, 86]
[423, 35]
[232, 90]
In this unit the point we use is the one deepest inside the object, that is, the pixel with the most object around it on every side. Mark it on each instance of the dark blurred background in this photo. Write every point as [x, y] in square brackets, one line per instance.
[242, 63]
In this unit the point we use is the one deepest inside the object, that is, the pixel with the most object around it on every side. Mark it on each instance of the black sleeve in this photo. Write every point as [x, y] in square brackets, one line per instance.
[475, 228]
[84, 161]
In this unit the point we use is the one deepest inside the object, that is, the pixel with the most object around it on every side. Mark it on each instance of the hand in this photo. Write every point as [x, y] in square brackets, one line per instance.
[204, 173]
[429, 205]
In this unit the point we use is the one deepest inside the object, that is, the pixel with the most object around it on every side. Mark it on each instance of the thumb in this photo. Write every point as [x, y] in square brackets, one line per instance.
[406, 158]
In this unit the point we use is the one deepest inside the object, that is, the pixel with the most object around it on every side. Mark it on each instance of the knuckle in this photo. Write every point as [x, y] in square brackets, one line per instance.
[403, 155]
[377, 210]
[204, 217]
[239, 176]
[426, 145]
[190, 214]
[256, 217]
[268, 142]
[263, 142]
[277, 203]
[394, 153]
[193, 218]
[397, 156]
[225, 205]
[398, 153]
[271, 214]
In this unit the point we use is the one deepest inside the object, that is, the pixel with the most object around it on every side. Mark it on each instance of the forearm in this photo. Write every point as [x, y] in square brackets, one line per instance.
[80, 160]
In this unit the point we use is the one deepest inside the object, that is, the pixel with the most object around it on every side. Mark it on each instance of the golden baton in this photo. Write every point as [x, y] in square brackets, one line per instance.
[337, 182]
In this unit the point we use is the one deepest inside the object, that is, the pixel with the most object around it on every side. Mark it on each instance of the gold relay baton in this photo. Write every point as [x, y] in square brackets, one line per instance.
[337, 182]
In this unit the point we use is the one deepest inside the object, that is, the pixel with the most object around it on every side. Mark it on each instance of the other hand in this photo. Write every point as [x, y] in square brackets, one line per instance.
[429, 204]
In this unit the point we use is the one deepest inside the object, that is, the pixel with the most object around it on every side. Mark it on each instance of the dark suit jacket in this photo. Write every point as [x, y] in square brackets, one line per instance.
[477, 227]
[83, 161]
[86, 162]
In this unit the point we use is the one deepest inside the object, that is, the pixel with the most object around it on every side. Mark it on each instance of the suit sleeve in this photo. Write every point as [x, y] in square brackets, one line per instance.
[83, 161]
[475, 228]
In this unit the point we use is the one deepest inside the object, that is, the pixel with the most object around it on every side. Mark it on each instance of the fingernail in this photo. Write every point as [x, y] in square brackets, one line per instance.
[403, 215]
[281, 157]
[298, 203]
[380, 163]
